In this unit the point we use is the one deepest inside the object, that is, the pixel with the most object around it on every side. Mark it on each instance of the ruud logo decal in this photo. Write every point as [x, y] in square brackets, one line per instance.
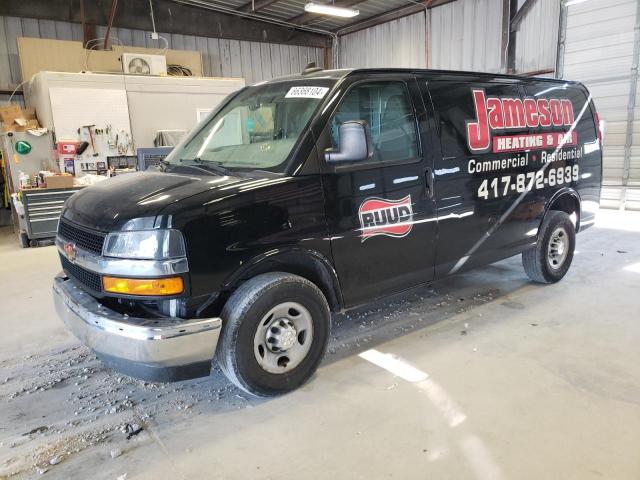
[393, 218]
[504, 114]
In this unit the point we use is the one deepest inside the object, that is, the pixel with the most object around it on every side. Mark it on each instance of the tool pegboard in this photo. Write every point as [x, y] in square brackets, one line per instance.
[97, 116]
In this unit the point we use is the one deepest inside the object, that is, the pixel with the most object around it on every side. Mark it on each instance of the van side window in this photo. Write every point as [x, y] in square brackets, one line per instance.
[585, 128]
[454, 105]
[387, 109]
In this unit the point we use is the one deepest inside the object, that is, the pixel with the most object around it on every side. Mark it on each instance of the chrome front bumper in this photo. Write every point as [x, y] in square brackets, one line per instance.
[165, 349]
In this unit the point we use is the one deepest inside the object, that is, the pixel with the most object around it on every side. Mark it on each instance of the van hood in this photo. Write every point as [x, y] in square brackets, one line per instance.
[110, 204]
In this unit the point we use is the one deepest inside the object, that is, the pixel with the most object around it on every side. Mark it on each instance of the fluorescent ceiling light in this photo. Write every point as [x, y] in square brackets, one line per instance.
[328, 9]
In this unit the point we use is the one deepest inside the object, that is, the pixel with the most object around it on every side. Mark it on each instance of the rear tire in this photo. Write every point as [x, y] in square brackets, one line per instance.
[549, 260]
[274, 333]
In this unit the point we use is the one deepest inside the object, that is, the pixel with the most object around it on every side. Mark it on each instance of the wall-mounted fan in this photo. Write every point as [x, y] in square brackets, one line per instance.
[138, 66]
[141, 64]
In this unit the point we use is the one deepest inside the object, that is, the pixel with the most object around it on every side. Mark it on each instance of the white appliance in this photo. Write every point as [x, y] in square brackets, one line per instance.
[137, 106]
[144, 64]
[172, 103]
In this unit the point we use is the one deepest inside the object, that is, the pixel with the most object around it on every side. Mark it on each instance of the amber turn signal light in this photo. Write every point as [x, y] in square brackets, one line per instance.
[143, 286]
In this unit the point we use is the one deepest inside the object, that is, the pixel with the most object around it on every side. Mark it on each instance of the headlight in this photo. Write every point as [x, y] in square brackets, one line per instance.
[145, 244]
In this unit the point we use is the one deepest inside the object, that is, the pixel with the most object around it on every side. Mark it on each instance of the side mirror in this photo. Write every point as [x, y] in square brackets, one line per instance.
[355, 143]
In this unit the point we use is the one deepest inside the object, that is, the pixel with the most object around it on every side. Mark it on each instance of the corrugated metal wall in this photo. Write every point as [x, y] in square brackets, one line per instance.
[11, 28]
[227, 58]
[400, 43]
[599, 51]
[467, 35]
[537, 37]
[462, 35]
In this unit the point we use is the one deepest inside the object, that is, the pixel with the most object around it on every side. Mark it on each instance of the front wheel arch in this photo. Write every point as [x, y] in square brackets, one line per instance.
[308, 264]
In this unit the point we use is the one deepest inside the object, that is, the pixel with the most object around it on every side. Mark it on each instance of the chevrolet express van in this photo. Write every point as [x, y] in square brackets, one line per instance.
[315, 193]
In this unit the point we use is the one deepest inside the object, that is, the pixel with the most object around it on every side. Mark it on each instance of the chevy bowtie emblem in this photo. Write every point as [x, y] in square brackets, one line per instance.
[70, 251]
[379, 216]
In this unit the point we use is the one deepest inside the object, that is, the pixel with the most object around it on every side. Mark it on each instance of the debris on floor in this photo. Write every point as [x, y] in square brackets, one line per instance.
[76, 403]
[36, 430]
[131, 430]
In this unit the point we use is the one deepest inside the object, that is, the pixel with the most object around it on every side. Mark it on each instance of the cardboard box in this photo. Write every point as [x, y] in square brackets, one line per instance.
[9, 112]
[29, 125]
[59, 181]
[16, 119]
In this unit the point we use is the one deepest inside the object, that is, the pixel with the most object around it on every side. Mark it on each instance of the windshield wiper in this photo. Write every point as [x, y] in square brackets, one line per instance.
[266, 173]
[209, 164]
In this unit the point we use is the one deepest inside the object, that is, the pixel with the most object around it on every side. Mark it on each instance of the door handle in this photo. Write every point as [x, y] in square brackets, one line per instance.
[428, 182]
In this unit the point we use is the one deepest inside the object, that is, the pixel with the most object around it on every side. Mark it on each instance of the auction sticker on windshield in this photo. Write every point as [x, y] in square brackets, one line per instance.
[307, 92]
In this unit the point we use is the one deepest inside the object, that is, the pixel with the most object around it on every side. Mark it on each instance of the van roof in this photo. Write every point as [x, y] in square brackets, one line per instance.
[344, 72]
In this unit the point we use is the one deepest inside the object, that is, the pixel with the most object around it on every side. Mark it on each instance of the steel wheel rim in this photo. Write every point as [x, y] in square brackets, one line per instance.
[558, 248]
[283, 338]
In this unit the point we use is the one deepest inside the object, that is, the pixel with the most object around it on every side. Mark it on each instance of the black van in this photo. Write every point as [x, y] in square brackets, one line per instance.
[316, 193]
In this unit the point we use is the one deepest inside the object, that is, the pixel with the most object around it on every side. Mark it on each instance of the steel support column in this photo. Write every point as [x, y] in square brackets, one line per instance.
[631, 108]
[562, 37]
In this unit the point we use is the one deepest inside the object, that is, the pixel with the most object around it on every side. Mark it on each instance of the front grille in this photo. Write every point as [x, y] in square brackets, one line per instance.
[86, 239]
[86, 278]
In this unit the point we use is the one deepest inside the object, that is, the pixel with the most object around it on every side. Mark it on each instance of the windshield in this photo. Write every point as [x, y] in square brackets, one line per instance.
[257, 129]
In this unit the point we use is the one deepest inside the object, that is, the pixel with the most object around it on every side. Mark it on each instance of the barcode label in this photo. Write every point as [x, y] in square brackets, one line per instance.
[307, 92]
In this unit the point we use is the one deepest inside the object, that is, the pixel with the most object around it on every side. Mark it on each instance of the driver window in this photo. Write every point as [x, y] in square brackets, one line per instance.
[386, 108]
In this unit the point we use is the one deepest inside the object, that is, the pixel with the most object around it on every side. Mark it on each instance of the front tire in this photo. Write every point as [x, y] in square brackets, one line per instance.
[275, 331]
[549, 260]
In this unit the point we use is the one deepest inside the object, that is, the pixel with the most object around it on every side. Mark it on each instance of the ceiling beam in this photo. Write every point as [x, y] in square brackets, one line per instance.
[517, 18]
[511, 48]
[389, 16]
[506, 35]
[255, 5]
[170, 16]
[307, 17]
[112, 14]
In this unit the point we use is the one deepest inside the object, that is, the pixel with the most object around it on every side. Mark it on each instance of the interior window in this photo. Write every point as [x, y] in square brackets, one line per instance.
[386, 108]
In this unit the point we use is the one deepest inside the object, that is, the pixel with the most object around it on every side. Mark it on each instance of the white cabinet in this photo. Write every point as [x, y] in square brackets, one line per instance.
[125, 111]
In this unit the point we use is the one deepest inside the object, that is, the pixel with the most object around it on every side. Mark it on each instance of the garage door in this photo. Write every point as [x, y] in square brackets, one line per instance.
[601, 49]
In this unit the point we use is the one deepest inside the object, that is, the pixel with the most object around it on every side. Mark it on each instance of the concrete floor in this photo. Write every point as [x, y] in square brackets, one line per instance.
[480, 376]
